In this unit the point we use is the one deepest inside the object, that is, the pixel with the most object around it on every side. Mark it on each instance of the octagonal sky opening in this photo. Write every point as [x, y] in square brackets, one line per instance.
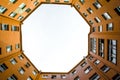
[55, 37]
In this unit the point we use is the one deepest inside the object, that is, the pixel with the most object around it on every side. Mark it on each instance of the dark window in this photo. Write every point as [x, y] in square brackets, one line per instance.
[27, 65]
[94, 77]
[53, 77]
[112, 51]
[28, 10]
[105, 68]
[77, 78]
[0, 51]
[101, 47]
[116, 77]
[108, 0]
[117, 10]
[85, 14]
[93, 29]
[57, 1]
[3, 67]
[13, 77]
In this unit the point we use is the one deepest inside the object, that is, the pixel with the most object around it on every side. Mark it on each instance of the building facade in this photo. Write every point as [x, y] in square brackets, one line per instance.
[102, 61]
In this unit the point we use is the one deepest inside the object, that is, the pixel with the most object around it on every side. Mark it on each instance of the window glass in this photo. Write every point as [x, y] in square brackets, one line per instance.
[3, 67]
[2, 9]
[9, 48]
[106, 16]
[97, 5]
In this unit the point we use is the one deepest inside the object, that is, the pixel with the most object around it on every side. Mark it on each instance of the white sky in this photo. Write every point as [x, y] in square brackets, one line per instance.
[55, 38]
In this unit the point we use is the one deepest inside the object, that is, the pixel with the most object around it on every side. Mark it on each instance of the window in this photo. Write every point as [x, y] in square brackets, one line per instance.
[36, 3]
[27, 65]
[29, 78]
[101, 47]
[13, 77]
[5, 27]
[53, 77]
[93, 29]
[17, 46]
[94, 77]
[34, 72]
[78, 6]
[83, 64]
[77, 78]
[93, 45]
[106, 16]
[0, 51]
[15, 28]
[63, 76]
[90, 57]
[28, 10]
[2, 9]
[116, 77]
[91, 22]
[13, 61]
[3, 67]
[87, 70]
[21, 57]
[100, 28]
[97, 19]
[9, 48]
[12, 1]
[90, 10]
[82, 1]
[112, 51]
[97, 5]
[117, 10]
[21, 70]
[47, 0]
[108, 0]
[85, 14]
[13, 14]
[44, 76]
[110, 27]
[105, 68]
[96, 62]
[20, 17]
[74, 72]
[22, 5]
[66, 0]
[56, 0]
